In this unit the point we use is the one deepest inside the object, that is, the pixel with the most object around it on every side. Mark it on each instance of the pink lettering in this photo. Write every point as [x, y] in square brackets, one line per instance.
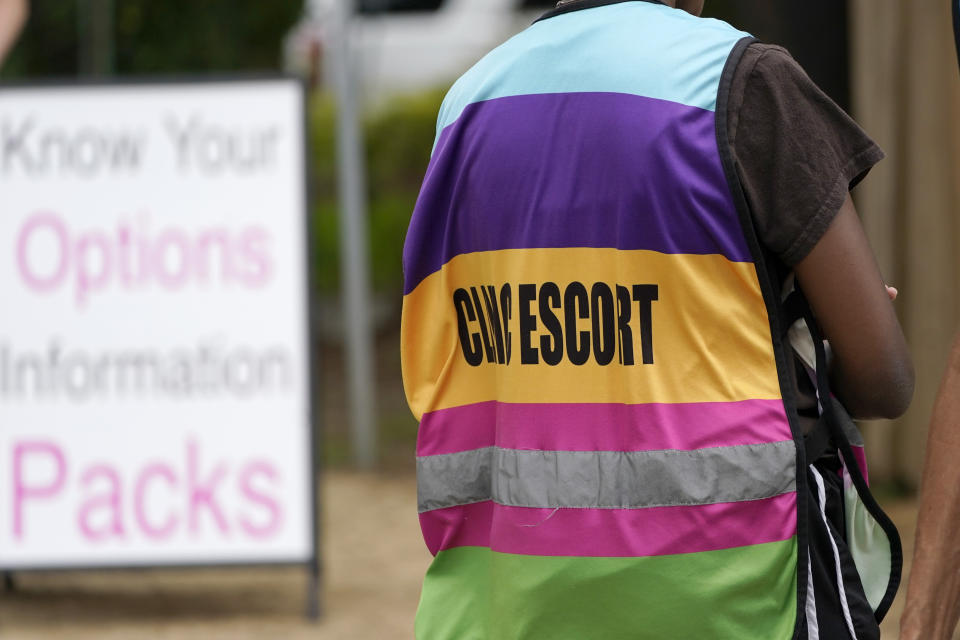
[37, 222]
[205, 242]
[132, 257]
[21, 491]
[96, 275]
[256, 257]
[108, 501]
[124, 258]
[210, 499]
[172, 274]
[202, 495]
[274, 515]
[143, 247]
[159, 471]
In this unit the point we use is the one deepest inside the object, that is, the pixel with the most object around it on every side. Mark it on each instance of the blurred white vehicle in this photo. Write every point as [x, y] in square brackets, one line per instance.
[409, 50]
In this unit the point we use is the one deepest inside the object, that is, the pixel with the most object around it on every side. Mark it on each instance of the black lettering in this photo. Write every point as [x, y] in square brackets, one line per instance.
[528, 323]
[181, 139]
[601, 311]
[575, 305]
[126, 151]
[461, 302]
[624, 333]
[53, 143]
[484, 332]
[644, 295]
[85, 152]
[13, 146]
[493, 313]
[551, 346]
[506, 311]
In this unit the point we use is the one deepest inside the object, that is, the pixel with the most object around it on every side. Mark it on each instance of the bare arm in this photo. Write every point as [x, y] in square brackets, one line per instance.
[933, 598]
[872, 372]
[13, 13]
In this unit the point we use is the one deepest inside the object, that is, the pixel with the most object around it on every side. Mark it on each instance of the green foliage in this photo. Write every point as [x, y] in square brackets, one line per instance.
[398, 140]
[172, 36]
[184, 36]
[48, 44]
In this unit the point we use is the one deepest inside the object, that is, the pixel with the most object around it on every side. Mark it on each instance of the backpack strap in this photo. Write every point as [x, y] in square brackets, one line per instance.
[831, 426]
[792, 309]
[817, 441]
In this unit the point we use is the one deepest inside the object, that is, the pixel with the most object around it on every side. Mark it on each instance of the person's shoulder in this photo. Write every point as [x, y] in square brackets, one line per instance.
[769, 61]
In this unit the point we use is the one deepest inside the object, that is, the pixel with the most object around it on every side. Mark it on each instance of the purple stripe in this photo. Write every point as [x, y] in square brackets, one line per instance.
[604, 170]
[602, 427]
[654, 531]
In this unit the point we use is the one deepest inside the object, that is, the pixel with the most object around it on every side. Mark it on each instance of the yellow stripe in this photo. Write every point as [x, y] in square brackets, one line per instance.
[711, 337]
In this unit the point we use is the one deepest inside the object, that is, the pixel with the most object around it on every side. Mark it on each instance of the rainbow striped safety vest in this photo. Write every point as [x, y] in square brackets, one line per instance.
[604, 450]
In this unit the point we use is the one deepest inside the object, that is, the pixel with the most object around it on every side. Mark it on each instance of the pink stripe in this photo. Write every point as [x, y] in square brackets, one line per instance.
[861, 458]
[464, 526]
[602, 427]
[611, 532]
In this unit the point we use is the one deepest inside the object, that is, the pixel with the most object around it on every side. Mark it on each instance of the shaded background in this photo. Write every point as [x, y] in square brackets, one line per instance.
[891, 63]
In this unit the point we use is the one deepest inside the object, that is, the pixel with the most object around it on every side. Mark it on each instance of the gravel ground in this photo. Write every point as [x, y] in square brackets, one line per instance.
[374, 561]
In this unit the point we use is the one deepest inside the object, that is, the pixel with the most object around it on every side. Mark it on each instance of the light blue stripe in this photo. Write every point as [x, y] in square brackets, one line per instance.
[632, 47]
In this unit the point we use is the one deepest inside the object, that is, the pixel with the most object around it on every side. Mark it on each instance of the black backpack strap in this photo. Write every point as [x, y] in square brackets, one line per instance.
[817, 441]
[792, 309]
[832, 422]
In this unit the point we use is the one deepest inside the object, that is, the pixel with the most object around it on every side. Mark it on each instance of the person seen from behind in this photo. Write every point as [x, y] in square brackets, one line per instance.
[617, 391]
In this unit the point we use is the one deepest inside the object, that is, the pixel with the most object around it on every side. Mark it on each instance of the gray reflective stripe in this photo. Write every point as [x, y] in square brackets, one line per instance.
[454, 478]
[606, 479]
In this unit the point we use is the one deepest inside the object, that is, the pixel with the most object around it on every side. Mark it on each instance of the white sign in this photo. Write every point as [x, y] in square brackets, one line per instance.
[154, 378]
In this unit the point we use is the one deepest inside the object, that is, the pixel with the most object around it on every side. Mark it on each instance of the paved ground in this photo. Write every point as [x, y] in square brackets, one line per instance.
[374, 557]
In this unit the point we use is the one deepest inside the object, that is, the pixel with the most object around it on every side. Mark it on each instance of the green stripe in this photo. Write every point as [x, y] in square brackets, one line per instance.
[746, 593]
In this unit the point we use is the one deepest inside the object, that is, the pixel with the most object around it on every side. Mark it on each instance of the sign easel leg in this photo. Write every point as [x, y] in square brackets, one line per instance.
[314, 605]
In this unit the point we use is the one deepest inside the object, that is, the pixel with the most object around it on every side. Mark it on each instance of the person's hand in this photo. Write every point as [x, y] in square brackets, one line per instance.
[13, 13]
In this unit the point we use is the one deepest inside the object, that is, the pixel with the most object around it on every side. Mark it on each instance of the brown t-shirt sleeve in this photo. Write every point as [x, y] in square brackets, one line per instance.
[796, 152]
